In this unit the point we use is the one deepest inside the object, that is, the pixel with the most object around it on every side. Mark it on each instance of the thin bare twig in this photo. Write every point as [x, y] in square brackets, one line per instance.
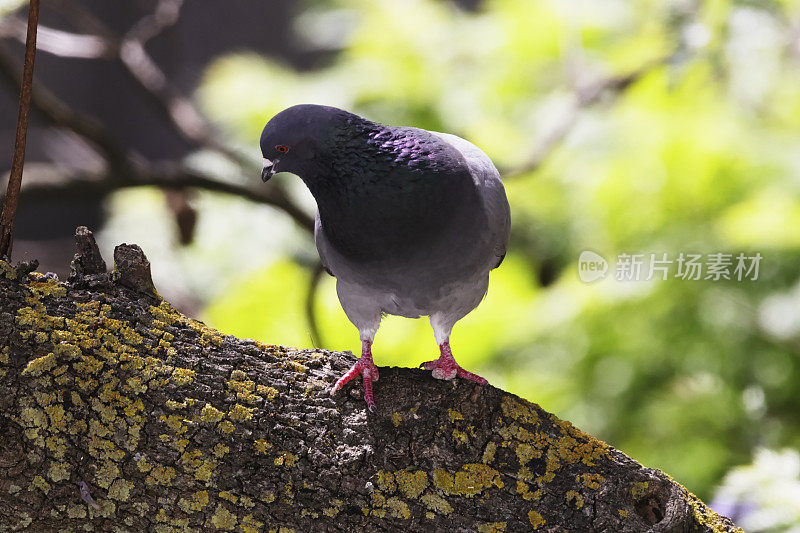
[182, 115]
[99, 42]
[57, 42]
[613, 86]
[185, 119]
[310, 307]
[18, 161]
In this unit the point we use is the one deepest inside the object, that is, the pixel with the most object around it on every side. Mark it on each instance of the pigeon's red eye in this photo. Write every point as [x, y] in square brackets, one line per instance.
[282, 149]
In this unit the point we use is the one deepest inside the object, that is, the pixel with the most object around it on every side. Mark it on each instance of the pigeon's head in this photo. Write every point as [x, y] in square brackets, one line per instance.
[293, 138]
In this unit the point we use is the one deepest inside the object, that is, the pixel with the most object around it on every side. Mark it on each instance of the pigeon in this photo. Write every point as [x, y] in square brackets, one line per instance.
[409, 221]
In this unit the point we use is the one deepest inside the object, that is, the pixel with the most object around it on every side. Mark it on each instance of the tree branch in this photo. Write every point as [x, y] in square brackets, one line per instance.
[51, 182]
[180, 112]
[116, 409]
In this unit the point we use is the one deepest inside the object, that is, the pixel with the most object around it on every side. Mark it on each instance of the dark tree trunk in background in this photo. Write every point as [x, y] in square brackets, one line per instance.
[119, 413]
[101, 88]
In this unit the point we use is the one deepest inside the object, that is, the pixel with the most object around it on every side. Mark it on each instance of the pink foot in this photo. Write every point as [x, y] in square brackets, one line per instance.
[446, 367]
[366, 369]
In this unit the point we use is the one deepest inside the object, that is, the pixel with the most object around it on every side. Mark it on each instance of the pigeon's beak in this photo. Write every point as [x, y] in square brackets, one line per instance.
[268, 169]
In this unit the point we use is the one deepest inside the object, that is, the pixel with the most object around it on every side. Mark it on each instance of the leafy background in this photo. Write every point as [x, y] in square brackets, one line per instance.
[661, 127]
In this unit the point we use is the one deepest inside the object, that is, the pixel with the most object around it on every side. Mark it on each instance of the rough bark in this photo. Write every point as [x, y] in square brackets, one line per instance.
[117, 413]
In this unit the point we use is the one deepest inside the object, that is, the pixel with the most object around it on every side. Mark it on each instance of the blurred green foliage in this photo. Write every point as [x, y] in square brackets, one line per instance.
[765, 495]
[700, 154]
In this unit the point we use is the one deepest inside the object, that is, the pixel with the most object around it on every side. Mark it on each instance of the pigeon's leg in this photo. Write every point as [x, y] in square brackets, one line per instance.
[366, 369]
[361, 308]
[446, 367]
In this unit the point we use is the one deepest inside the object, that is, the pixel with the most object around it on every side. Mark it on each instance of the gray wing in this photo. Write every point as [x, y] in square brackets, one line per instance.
[488, 181]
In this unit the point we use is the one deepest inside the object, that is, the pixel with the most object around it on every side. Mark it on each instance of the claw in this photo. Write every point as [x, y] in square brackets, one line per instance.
[368, 372]
[446, 367]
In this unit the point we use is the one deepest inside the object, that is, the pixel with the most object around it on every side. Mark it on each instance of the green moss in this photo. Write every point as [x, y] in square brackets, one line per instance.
[386, 481]
[40, 365]
[535, 519]
[525, 434]
[249, 524]
[211, 414]
[436, 504]
[472, 479]
[396, 419]
[489, 452]
[262, 446]
[58, 471]
[702, 514]
[166, 314]
[130, 337]
[172, 405]
[524, 490]
[378, 502]
[196, 502]
[220, 450]
[182, 376]
[7, 271]
[76, 511]
[205, 470]
[34, 418]
[639, 489]
[106, 474]
[239, 383]
[334, 509]
[47, 288]
[574, 496]
[460, 437]
[192, 460]
[492, 527]
[269, 392]
[175, 423]
[526, 452]
[160, 475]
[120, 490]
[295, 366]
[240, 412]
[454, 415]
[286, 459]
[411, 484]
[223, 519]
[226, 426]
[105, 365]
[225, 495]
[38, 482]
[398, 508]
[519, 410]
